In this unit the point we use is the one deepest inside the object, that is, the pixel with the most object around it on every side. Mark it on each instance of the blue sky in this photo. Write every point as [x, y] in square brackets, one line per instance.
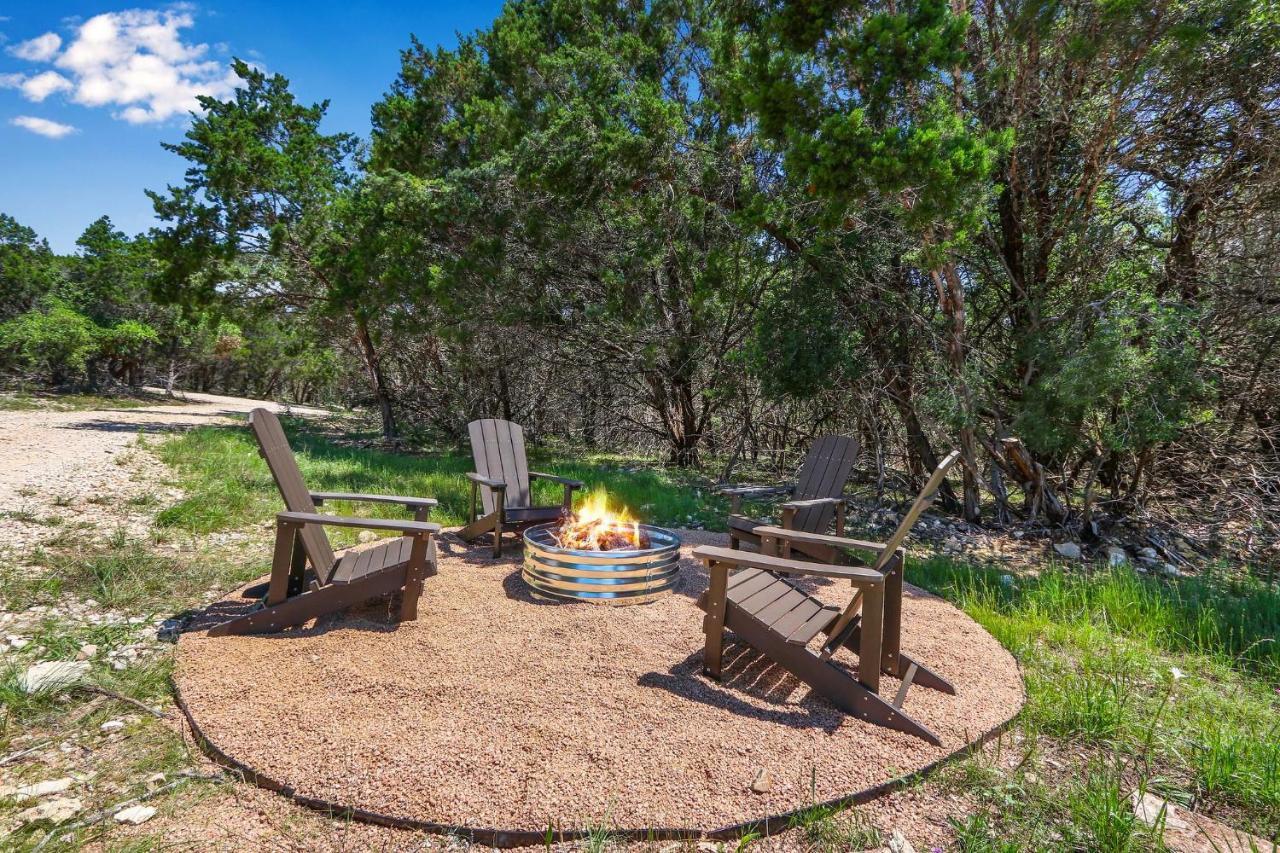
[88, 91]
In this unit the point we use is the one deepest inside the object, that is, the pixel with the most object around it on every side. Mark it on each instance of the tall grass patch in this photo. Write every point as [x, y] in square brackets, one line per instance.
[229, 485]
[1173, 678]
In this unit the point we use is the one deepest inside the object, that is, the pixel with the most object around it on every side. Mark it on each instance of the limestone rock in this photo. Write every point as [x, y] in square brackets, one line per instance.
[1070, 550]
[898, 843]
[37, 789]
[135, 815]
[763, 782]
[54, 811]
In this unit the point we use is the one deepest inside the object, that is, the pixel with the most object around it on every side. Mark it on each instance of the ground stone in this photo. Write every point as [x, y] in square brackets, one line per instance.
[1189, 832]
[112, 726]
[52, 675]
[898, 843]
[40, 789]
[135, 815]
[168, 631]
[763, 783]
[1116, 556]
[54, 811]
[1070, 550]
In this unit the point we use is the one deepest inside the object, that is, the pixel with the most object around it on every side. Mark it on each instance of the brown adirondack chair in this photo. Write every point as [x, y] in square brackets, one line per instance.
[502, 479]
[338, 580]
[816, 496]
[778, 618]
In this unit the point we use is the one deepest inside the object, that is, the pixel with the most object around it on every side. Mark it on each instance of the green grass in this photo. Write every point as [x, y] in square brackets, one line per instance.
[25, 402]
[1089, 812]
[123, 573]
[830, 830]
[1171, 685]
[1173, 682]
[229, 486]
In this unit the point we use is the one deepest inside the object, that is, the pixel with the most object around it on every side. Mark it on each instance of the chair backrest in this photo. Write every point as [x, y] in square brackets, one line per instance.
[922, 502]
[275, 448]
[498, 449]
[823, 474]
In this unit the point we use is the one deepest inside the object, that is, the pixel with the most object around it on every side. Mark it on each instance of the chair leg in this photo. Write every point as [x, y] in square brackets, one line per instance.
[498, 522]
[713, 623]
[478, 528]
[421, 553]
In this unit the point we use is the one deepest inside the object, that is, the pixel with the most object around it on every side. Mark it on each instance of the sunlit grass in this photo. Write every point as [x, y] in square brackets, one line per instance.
[1179, 675]
[228, 484]
[67, 402]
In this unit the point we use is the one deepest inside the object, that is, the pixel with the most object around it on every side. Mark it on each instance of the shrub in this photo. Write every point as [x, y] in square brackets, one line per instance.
[57, 341]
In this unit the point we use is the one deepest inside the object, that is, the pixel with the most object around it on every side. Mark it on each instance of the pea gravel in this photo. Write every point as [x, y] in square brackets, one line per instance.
[497, 711]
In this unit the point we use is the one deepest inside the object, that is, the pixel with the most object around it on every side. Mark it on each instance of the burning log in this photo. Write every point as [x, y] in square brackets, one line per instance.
[594, 527]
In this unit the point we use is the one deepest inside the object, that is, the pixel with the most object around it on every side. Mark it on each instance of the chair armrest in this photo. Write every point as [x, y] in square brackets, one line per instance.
[819, 538]
[743, 491]
[406, 527]
[808, 502]
[564, 481]
[736, 559]
[486, 481]
[411, 503]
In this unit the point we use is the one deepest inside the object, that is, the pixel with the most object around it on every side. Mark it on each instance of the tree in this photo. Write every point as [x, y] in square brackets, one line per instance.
[257, 213]
[57, 340]
[861, 100]
[580, 158]
[28, 268]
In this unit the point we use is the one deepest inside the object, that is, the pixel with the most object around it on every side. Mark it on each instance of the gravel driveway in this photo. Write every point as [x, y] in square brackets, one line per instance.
[83, 466]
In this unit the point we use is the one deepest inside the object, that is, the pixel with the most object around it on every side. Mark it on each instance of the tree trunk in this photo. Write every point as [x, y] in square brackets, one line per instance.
[377, 382]
[951, 295]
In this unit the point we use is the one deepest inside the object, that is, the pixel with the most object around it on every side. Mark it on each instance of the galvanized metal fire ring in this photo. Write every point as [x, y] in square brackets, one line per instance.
[605, 577]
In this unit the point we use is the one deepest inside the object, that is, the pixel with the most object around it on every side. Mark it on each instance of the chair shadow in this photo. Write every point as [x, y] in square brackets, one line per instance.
[746, 671]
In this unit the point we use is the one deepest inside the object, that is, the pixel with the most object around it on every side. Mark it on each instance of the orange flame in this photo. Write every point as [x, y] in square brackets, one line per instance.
[594, 527]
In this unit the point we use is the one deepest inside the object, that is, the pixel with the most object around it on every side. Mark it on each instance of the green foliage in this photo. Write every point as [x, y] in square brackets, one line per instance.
[28, 269]
[128, 340]
[57, 341]
[1123, 377]
[800, 347]
[259, 170]
[859, 106]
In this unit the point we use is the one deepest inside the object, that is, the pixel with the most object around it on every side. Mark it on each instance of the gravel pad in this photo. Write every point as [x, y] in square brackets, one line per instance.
[497, 711]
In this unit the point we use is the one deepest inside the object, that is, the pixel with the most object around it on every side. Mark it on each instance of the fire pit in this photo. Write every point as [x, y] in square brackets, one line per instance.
[596, 555]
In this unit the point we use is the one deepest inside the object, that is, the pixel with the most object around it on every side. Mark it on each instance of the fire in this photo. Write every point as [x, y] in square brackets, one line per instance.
[594, 527]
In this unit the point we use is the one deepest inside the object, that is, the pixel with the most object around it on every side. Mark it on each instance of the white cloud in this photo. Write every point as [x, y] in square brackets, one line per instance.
[43, 126]
[39, 87]
[135, 60]
[39, 49]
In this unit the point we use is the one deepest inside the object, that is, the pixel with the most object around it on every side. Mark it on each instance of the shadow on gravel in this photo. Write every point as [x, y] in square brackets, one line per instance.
[746, 671]
[102, 425]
